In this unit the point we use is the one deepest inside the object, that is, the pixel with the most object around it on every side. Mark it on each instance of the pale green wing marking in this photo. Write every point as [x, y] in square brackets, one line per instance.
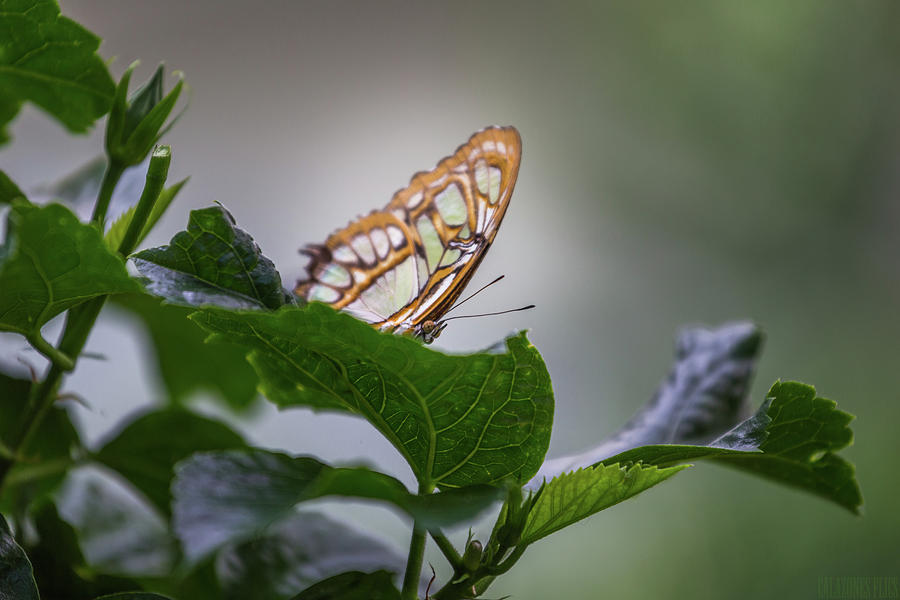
[335, 275]
[482, 177]
[393, 290]
[431, 241]
[450, 257]
[494, 185]
[451, 205]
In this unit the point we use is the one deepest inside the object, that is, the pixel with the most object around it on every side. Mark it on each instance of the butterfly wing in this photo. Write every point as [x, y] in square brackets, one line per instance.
[408, 263]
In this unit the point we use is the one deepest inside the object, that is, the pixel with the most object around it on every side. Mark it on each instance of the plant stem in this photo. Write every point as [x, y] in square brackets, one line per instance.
[480, 579]
[413, 572]
[52, 354]
[449, 551]
[414, 564]
[157, 172]
[111, 176]
[79, 322]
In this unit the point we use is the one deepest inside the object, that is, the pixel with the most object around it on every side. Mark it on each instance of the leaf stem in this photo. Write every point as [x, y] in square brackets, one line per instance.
[111, 176]
[507, 564]
[157, 172]
[449, 551]
[56, 357]
[410, 589]
[79, 322]
[413, 572]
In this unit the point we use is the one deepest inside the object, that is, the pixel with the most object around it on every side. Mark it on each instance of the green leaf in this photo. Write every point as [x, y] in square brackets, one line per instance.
[353, 585]
[116, 231]
[53, 262]
[573, 496]
[16, 578]
[296, 553]
[186, 364]
[458, 420]
[50, 60]
[141, 140]
[704, 395]
[792, 439]
[146, 450]
[136, 124]
[9, 191]
[227, 497]
[213, 262]
[43, 465]
[144, 99]
[117, 532]
[59, 565]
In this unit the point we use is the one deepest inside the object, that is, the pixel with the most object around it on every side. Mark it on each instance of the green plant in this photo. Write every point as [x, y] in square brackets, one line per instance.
[473, 429]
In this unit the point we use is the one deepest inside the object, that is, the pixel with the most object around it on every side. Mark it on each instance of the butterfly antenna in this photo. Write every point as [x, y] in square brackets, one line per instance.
[484, 287]
[490, 314]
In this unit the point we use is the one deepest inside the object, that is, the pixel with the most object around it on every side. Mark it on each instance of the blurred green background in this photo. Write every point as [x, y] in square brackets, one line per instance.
[683, 163]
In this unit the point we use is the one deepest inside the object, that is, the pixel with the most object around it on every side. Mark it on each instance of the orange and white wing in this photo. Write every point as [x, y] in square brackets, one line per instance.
[408, 263]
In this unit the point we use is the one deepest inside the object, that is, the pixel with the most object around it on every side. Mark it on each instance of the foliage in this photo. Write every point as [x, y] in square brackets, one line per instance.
[199, 513]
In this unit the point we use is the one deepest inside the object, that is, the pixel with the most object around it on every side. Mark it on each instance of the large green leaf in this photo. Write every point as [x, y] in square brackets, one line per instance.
[458, 420]
[227, 497]
[16, 578]
[296, 553]
[146, 450]
[50, 60]
[213, 262]
[53, 262]
[793, 439]
[573, 496]
[43, 465]
[59, 565]
[704, 395]
[186, 364]
[353, 585]
[117, 532]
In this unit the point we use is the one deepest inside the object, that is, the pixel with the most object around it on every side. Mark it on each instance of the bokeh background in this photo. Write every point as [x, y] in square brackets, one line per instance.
[683, 163]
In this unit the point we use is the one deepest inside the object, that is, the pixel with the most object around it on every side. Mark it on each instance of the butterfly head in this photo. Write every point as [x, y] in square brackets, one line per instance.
[429, 330]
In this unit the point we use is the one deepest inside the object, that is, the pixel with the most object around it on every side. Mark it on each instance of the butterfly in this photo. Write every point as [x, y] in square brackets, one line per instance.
[403, 267]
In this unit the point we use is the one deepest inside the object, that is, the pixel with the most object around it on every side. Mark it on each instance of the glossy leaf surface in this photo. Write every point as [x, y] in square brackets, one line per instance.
[704, 395]
[16, 579]
[213, 262]
[458, 420]
[296, 553]
[227, 497]
[793, 439]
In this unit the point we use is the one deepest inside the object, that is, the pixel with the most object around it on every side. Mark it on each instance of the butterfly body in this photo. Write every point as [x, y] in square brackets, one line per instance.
[401, 268]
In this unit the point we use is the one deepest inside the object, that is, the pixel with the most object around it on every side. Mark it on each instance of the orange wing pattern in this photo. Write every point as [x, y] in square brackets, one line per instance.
[401, 268]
